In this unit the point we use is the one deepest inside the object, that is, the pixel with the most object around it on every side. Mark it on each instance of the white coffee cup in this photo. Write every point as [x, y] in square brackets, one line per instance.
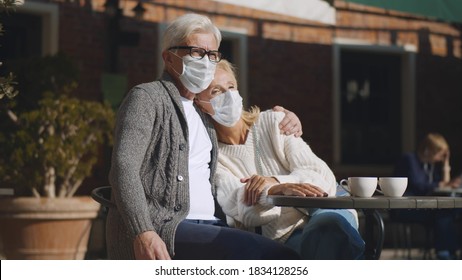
[360, 186]
[393, 186]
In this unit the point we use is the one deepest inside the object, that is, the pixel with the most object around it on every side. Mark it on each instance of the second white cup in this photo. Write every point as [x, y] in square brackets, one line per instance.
[360, 186]
[393, 186]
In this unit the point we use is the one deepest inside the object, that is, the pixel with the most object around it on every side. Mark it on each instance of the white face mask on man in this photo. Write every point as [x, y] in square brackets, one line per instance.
[227, 107]
[197, 73]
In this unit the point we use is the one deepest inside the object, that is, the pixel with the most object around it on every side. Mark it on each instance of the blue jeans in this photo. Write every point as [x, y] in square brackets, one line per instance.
[330, 234]
[213, 240]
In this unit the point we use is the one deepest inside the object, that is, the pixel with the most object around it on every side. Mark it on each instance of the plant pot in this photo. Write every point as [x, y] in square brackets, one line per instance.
[46, 228]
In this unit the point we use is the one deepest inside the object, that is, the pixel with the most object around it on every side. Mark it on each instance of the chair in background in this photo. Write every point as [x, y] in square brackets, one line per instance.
[103, 196]
[406, 234]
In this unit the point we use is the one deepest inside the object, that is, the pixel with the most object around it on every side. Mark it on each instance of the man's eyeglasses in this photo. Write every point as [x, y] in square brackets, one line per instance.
[199, 53]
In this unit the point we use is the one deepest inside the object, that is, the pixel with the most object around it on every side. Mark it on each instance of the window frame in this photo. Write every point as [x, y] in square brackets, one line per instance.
[408, 62]
[49, 14]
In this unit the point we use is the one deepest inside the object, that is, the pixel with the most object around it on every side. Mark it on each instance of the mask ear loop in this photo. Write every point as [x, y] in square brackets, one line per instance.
[181, 58]
[197, 102]
[203, 101]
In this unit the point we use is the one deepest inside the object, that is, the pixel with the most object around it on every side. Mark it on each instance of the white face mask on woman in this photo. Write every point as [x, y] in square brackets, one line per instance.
[227, 107]
[197, 73]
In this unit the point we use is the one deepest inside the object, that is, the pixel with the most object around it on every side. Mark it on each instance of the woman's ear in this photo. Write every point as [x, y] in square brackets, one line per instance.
[197, 102]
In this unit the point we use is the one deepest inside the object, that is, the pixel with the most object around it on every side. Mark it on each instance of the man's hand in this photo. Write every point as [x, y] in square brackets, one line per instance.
[302, 189]
[254, 187]
[149, 246]
[290, 124]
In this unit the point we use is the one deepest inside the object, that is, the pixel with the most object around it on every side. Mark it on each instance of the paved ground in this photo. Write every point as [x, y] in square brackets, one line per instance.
[402, 254]
[387, 254]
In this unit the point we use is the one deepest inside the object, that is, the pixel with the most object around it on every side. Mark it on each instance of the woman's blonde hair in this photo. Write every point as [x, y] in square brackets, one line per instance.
[432, 144]
[250, 116]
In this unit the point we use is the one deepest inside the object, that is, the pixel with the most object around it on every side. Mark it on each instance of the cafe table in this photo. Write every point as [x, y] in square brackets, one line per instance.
[369, 206]
[447, 191]
[6, 191]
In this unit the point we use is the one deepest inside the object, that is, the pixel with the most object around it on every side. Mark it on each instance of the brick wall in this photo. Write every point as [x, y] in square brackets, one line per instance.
[81, 35]
[301, 82]
[289, 59]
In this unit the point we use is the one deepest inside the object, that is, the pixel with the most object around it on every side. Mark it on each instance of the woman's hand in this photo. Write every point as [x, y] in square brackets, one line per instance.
[302, 189]
[149, 246]
[290, 124]
[447, 170]
[455, 182]
[446, 157]
[254, 187]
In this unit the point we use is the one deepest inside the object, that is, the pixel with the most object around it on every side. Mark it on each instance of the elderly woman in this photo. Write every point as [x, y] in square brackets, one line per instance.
[164, 160]
[256, 160]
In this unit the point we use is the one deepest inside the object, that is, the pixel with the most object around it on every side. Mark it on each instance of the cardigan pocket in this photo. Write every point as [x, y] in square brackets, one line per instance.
[155, 185]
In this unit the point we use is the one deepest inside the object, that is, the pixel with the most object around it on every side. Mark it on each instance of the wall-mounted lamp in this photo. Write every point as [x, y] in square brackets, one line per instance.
[111, 7]
[139, 10]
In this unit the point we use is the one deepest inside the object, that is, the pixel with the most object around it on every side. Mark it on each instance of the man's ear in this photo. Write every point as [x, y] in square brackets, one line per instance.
[167, 57]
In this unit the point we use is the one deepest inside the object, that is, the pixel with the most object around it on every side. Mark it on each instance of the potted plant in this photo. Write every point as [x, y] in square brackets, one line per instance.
[47, 148]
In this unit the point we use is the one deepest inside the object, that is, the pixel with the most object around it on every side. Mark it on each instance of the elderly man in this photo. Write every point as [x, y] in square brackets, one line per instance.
[164, 160]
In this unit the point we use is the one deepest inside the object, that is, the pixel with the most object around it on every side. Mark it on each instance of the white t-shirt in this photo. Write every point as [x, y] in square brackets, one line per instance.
[202, 205]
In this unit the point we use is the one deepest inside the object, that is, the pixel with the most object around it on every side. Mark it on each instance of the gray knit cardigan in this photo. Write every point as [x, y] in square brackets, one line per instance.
[149, 168]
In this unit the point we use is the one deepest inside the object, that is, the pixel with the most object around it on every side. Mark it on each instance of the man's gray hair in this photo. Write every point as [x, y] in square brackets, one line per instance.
[186, 25]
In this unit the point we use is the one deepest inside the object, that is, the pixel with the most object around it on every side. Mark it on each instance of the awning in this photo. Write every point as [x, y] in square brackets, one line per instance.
[446, 10]
[315, 10]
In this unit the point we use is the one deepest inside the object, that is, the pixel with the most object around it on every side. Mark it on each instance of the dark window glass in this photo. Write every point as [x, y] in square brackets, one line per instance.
[22, 37]
[370, 108]
[226, 48]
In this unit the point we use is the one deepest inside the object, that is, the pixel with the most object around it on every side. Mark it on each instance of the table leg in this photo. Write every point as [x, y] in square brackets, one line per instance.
[373, 249]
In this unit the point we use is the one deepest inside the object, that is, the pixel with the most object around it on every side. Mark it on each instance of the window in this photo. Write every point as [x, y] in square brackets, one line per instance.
[373, 106]
[30, 31]
[370, 108]
[234, 48]
[22, 36]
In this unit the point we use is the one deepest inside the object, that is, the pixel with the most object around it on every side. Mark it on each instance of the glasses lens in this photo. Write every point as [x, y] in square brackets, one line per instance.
[214, 56]
[197, 53]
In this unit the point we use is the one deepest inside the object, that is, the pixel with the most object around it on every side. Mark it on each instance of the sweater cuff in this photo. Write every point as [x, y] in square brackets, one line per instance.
[264, 195]
[140, 225]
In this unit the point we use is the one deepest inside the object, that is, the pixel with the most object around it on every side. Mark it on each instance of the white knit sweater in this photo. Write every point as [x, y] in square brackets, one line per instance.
[287, 158]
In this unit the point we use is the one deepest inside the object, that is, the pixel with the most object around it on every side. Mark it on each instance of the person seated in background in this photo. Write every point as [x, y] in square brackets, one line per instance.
[256, 160]
[427, 169]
